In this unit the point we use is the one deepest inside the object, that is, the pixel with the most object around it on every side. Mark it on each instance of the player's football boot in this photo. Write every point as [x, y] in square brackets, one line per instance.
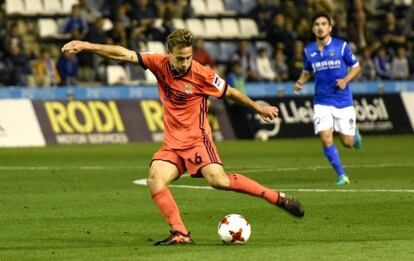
[358, 140]
[342, 180]
[291, 205]
[175, 238]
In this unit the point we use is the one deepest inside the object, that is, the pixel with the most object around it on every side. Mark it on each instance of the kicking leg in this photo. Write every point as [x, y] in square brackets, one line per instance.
[217, 178]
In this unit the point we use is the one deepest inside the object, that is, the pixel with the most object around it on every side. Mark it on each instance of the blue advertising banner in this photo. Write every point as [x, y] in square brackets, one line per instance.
[151, 92]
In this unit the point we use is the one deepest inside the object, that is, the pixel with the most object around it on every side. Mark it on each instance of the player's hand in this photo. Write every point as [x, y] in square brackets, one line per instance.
[341, 83]
[267, 112]
[297, 87]
[75, 47]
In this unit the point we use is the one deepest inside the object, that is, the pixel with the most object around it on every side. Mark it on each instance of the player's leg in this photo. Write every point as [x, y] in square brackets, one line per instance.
[217, 178]
[324, 123]
[331, 153]
[161, 174]
[352, 141]
[345, 124]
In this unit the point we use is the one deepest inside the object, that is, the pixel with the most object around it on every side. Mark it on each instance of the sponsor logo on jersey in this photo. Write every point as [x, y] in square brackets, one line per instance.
[324, 65]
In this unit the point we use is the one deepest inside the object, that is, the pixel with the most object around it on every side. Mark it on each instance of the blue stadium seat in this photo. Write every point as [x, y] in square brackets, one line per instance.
[233, 5]
[227, 50]
[213, 48]
[247, 5]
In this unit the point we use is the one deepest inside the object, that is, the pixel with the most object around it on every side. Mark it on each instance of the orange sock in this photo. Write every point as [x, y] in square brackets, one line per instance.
[166, 204]
[243, 184]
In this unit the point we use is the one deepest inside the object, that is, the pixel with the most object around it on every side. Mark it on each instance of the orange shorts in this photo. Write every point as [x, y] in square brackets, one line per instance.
[192, 159]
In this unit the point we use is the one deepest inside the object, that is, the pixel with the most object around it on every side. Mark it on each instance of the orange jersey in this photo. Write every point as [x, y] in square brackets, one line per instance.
[184, 99]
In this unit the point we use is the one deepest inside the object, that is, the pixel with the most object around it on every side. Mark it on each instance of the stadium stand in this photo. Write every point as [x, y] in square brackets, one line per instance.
[369, 26]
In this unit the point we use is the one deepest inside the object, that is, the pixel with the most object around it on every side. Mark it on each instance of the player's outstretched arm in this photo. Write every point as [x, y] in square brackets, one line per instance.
[109, 51]
[267, 112]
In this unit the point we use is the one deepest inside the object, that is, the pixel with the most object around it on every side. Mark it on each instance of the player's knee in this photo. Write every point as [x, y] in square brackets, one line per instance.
[326, 140]
[218, 181]
[155, 182]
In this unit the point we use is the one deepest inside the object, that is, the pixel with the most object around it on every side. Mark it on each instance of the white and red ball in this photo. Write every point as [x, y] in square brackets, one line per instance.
[234, 229]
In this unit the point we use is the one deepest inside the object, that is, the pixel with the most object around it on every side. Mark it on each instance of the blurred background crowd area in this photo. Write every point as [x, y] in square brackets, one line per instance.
[244, 40]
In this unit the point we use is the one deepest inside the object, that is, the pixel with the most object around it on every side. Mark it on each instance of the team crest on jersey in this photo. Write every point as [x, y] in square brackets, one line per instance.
[188, 89]
[331, 53]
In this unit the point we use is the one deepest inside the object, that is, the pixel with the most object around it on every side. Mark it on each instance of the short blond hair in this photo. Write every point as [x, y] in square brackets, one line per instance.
[180, 38]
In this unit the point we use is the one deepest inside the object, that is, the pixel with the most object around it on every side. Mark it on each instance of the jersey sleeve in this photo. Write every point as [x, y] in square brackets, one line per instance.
[214, 84]
[150, 61]
[348, 56]
[307, 66]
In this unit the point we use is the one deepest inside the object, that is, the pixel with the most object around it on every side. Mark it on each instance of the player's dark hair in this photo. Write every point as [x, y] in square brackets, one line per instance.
[321, 14]
[180, 38]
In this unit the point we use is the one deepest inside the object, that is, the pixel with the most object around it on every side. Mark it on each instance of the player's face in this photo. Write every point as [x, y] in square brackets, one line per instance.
[321, 28]
[180, 58]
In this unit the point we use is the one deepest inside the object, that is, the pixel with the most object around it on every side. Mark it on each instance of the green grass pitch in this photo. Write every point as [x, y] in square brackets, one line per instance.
[80, 203]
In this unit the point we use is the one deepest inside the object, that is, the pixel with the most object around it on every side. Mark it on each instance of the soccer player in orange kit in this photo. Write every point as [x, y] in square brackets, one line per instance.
[184, 87]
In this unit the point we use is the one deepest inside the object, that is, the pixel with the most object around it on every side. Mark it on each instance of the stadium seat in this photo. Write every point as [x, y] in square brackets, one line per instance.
[179, 23]
[47, 28]
[33, 7]
[248, 28]
[52, 7]
[247, 5]
[230, 28]
[150, 77]
[196, 26]
[227, 49]
[214, 7]
[14, 7]
[116, 74]
[199, 7]
[212, 28]
[232, 5]
[67, 6]
[213, 49]
[156, 47]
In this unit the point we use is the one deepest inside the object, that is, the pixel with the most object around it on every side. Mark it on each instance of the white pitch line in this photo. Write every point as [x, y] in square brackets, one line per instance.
[253, 169]
[250, 169]
[143, 182]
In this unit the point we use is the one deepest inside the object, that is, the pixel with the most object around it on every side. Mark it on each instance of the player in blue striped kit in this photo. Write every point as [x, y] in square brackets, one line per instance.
[333, 66]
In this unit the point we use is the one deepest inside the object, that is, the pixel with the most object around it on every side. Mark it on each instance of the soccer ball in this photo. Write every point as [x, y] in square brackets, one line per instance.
[261, 135]
[234, 229]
